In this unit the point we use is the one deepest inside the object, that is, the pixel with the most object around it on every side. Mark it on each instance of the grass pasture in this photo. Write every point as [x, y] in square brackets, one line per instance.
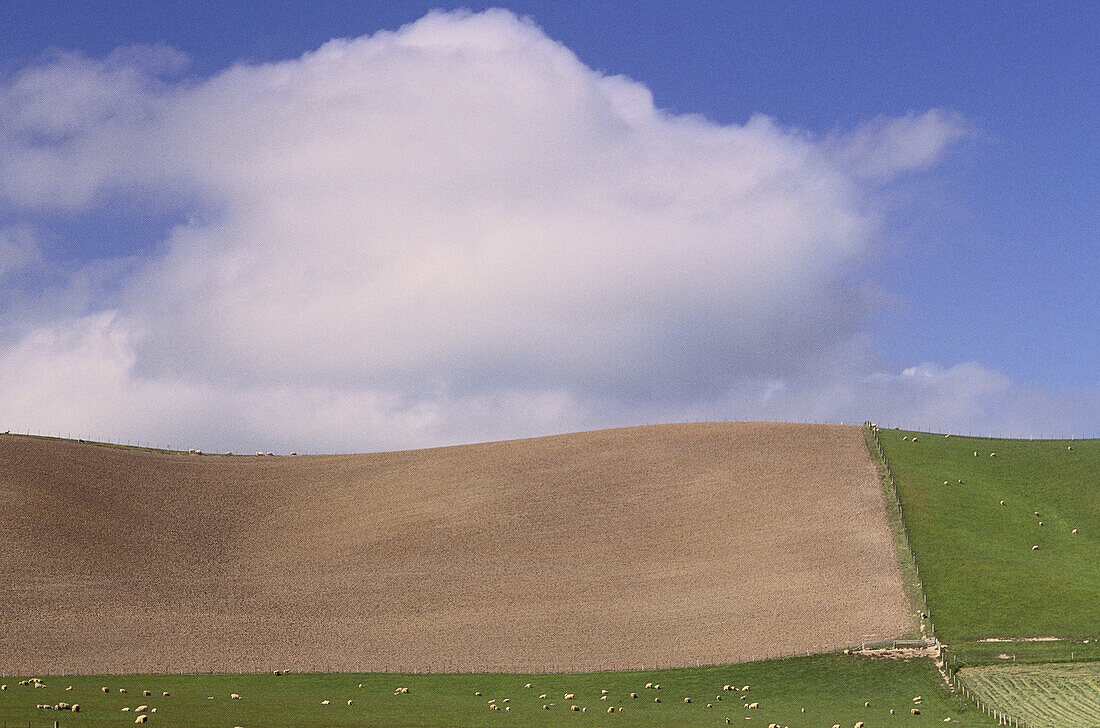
[831, 688]
[1056, 695]
[981, 575]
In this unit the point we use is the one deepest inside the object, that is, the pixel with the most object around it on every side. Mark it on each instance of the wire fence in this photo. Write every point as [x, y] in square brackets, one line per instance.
[1000, 716]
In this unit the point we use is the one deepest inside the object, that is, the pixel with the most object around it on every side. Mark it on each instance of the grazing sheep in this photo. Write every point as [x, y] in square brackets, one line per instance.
[859, 724]
[1069, 447]
[1040, 523]
[3, 687]
[234, 696]
[634, 695]
[351, 702]
[914, 711]
[687, 700]
[603, 697]
[294, 453]
[656, 686]
[477, 694]
[648, 685]
[866, 703]
[141, 708]
[542, 697]
[727, 721]
[753, 706]
[1035, 547]
[603, 692]
[401, 691]
[146, 693]
[745, 689]
[945, 482]
[575, 707]
[611, 709]
[494, 707]
[1074, 531]
[69, 688]
[527, 685]
[1036, 514]
[152, 710]
[545, 706]
[569, 696]
[709, 705]
[325, 702]
[656, 700]
[165, 693]
[141, 719]
[975, 453]
[492, 701]
[992, 454]
[905, 437]
[75, 708]
[259, 453]
[506, 700]
[122, 690]
[1002, 503]
[726, 687]
[126, 709]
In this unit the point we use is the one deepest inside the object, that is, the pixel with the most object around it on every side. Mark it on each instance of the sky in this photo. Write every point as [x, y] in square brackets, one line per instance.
[342, 226]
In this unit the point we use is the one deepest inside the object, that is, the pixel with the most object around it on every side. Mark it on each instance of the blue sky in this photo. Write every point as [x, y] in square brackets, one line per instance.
[986, 252]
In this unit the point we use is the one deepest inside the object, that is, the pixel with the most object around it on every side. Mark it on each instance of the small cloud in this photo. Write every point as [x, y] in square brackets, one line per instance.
[886, 147]
[19, 249]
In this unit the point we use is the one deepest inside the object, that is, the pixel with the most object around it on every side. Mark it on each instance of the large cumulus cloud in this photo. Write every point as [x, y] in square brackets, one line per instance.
[449, 232]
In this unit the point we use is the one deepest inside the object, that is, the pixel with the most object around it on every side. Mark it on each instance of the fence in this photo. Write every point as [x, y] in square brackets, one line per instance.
[893, 501]
[1001, 717]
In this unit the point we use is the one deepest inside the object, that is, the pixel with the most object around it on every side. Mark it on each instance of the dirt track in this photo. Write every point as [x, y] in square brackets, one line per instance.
[612, 549]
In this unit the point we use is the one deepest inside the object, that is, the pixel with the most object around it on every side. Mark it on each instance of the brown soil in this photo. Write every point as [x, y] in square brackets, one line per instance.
[666, 545]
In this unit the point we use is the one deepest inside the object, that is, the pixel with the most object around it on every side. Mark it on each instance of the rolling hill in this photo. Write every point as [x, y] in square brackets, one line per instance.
[651, 546]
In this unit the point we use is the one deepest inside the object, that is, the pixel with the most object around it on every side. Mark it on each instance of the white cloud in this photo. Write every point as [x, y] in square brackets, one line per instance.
[19, 249]
[885, 147]
[451, 232]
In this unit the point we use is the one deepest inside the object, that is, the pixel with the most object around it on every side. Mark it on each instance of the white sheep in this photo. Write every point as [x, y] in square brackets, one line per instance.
[141, 719]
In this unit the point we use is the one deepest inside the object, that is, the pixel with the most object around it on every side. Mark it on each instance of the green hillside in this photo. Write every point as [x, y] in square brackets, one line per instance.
[981, 573]
[831, 689]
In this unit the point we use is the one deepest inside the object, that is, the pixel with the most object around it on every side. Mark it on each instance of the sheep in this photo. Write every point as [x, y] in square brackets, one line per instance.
[656, 686]
[727, 721]
[122, 690]
[494, 707]
[259, 453]
[866, 703]
[527, 685]
[545, 706]
[603, 697]
[401, 691]
[477, 694]
[992, 454]
[745, 689]
[905, 437]
[146, 693]
[687, 700]
[656, 700]
[1040, 523]
[152, 710]
[648, 685]
[234, 696]
[945, 482]
[1035, 547]
[126, 709]
[1069, 447]
[165, 693]
[753, 706]
[506, 700]
[914, 711]
[1036, 514]
[1074, 531]
[575, 707]
[141, 719]
[68, 688]
[325, 702]
[542, 697]
[294, 454]
[3, 687]
[569, 696]
[603, 692]
[271, 453]
[141, 708]
[492, 701]
[351, 702]
[634, 695]
[1002, 503]
[709, 705]
[75, 708]
[975, 453]
[725, 687]
[859, 724]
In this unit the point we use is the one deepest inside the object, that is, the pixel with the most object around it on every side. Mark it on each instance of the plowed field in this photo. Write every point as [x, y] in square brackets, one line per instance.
[654, 546]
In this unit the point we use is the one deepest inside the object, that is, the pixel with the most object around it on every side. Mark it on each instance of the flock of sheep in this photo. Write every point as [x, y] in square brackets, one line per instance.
[1034, 547]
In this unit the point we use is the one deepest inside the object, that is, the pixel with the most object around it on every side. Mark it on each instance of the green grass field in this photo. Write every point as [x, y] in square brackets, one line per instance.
[980, 573]
[1059, 696]
[831, 688]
